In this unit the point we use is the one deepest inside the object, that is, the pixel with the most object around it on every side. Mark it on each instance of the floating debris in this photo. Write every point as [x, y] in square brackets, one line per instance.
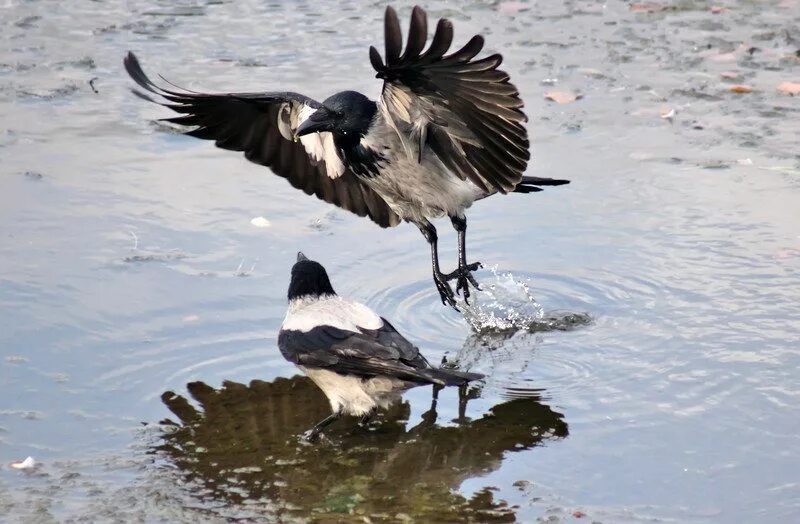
[562, 97]
[591, 72]
[714, 164]
[28, 463]
[560, 321]
[153, 256]
[513, 7]
[789, 88]
[647, 7]
[740, 88]
[731, 75]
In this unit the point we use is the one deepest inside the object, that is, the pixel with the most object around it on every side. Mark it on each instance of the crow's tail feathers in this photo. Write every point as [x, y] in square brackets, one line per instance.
[530, 184]
[451, 377]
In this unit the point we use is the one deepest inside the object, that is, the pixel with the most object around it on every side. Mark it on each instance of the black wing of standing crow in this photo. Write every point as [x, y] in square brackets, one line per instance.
[466, 111]
[262, 125]
[367, 353]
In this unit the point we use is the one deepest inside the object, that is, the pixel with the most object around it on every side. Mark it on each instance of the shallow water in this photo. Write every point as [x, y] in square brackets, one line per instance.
[134, 289]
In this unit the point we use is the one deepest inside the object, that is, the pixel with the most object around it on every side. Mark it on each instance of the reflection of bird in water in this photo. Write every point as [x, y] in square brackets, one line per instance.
[356, 357]
[239, 448]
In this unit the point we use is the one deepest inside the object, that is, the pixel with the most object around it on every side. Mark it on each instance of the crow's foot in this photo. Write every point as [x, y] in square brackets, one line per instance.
[445, 291]
[464, 279]
[312, 435]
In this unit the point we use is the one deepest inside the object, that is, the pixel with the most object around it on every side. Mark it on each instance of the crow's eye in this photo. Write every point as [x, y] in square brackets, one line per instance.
[344, 132]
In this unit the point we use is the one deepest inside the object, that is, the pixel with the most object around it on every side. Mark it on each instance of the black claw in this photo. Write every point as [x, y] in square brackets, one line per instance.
[445, 291]
[463, 283]
[473, 281]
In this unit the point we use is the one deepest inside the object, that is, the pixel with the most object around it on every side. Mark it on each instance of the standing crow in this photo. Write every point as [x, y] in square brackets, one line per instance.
[354, 355]
[447, 130]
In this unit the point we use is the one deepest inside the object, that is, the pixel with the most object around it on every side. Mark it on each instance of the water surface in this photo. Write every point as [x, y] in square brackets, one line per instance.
[134, 289]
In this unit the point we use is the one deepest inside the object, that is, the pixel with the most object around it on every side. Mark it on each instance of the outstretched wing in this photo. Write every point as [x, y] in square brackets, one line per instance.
[466, 111]
[263, 125]
[364, 353]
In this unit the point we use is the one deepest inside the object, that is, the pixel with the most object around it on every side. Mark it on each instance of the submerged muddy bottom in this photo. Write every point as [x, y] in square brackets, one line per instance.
[639, 332]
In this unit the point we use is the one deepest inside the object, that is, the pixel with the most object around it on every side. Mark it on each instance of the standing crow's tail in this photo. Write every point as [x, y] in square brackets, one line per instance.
[530, 184]
[451, 377]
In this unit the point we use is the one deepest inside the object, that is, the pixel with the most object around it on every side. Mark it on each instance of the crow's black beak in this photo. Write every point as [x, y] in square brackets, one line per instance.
[320, 121]
[301, 256]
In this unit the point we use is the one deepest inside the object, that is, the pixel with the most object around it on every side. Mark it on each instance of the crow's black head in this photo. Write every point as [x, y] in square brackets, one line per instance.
[309, 279]
[347, 115]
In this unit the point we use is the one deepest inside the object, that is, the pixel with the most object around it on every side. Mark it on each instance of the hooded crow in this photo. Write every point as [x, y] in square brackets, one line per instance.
[354, 355]
[447, 130]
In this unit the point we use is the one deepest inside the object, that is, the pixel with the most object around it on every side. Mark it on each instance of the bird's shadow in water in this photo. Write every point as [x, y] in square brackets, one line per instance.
[239, 446]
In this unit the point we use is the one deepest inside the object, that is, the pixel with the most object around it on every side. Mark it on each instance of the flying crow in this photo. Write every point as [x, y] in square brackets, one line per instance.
[447, 130]
[356, 357]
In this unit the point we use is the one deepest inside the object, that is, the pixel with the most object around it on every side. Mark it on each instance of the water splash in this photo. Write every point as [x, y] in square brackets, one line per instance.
[505, 304]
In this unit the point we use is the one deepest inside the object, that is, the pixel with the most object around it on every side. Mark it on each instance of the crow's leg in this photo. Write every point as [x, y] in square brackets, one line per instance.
[435, 397]
[312, 434]
[463, 398]
[464, 272]
[465, 394]
[430, 416]
[445, 292]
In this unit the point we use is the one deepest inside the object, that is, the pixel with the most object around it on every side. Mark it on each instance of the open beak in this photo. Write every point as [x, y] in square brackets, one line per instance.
[320, 121]
[301, 256]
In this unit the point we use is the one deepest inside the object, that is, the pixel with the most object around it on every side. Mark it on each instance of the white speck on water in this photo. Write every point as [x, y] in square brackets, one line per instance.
[261, 222]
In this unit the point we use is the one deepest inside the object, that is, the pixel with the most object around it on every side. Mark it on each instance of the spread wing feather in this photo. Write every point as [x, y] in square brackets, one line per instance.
[465, 111]
[262, 125]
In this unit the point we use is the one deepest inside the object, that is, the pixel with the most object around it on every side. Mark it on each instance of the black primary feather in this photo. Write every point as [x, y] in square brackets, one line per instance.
[530, 184]
[417, 35]
[392, 36]
[442, 40]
